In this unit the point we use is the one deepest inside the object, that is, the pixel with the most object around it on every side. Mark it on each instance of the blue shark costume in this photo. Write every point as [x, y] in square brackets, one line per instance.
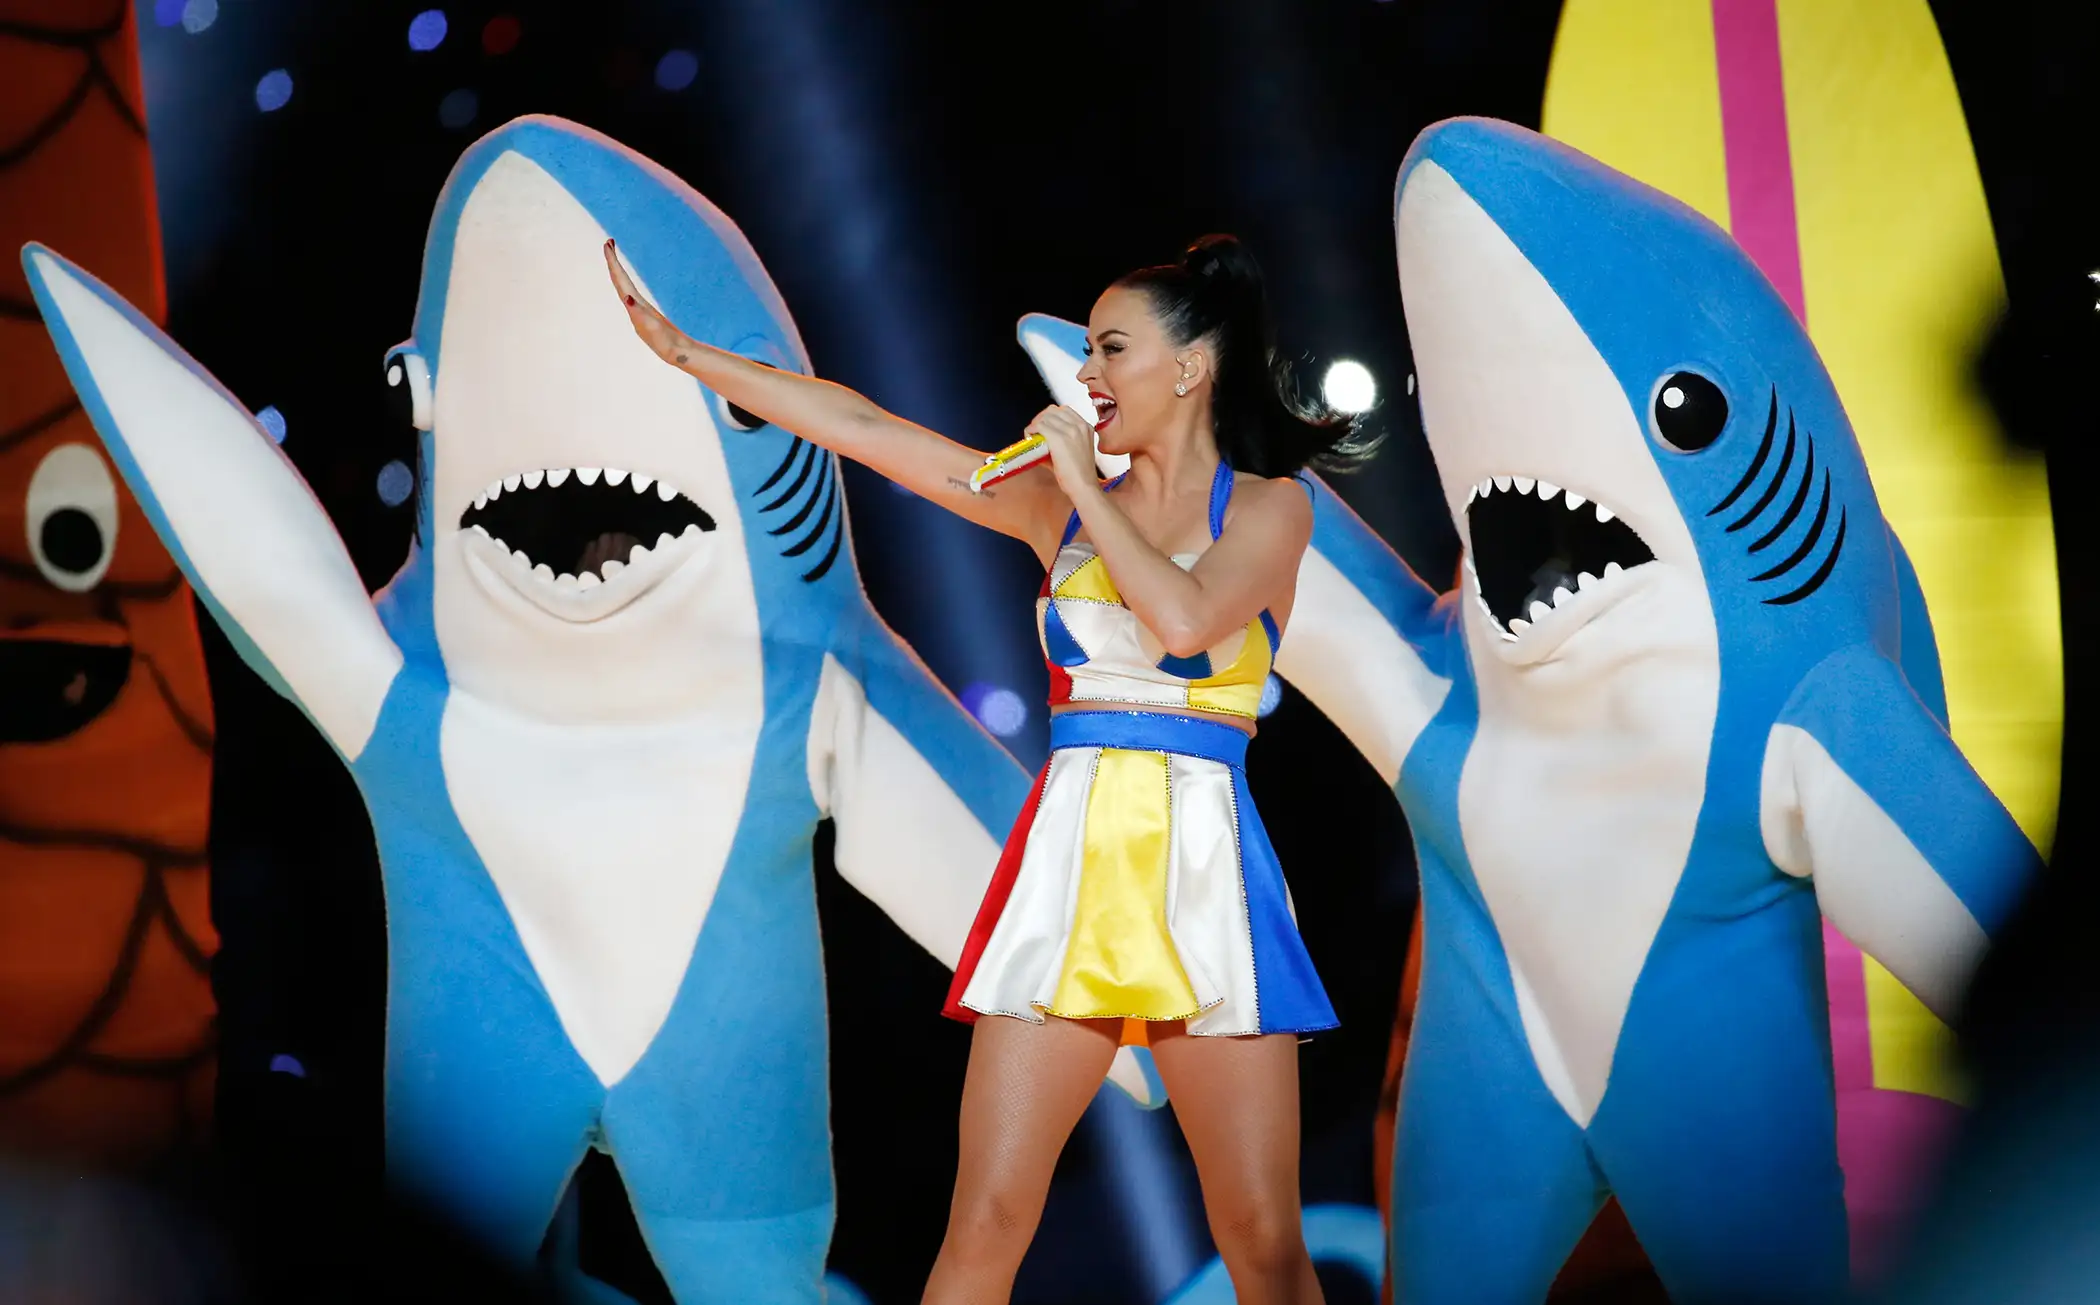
[594, 788]
[1683, 702]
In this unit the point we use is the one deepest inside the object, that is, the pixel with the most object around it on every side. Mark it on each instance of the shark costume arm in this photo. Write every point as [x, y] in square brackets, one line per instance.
[1367, 641]
[238, 519]
[920, 799]
[1912, 856]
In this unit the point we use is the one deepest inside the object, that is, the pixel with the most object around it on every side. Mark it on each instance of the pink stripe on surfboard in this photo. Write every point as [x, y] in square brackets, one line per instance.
[1753, 134]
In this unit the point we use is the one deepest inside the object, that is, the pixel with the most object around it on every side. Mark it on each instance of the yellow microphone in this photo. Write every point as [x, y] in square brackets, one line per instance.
[1011, 460]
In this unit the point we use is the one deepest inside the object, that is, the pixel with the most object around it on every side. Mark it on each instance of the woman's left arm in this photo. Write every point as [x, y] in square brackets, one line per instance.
[1253, 566]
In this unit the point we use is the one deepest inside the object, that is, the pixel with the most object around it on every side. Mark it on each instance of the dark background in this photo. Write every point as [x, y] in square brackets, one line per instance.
[915, 178]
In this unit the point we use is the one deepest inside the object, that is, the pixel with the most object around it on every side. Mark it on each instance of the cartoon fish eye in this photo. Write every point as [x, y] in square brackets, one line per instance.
[72, 516]
[1690, 411]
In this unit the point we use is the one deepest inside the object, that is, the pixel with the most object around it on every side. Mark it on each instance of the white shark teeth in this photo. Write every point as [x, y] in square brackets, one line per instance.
[1611, 569]
[1517, 626]
[642, 482]
[588, 580]
[1502, 482]
[1561, 595]
[1538, 611]
[692, 531]
[664, 491]
[1585, 582]
[481, 501]
[533, 479]
[664, 540]
[1524, 484]
[587, 475]
[1547, 489]
[565, 581]
[519, 560]
[615, 476]
[544, 572]
[612, 567]
[1575, 500]
[512, 482]
[556, 476]
[1603, 513]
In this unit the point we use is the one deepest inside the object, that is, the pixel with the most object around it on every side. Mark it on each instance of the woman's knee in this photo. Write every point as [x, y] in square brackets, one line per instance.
[1262, 1239]
[992, 1226]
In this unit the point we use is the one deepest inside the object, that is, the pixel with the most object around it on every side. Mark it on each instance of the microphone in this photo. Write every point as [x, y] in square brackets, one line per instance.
[1009, 461]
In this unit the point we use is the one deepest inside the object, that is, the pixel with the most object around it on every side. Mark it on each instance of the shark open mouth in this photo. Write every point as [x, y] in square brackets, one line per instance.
[1538, 551]
[576, 528]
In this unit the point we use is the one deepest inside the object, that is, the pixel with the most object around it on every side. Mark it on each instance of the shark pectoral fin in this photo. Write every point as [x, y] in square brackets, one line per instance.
[1367, 643]
[1913, 858]
[919, 794]
[238, 519]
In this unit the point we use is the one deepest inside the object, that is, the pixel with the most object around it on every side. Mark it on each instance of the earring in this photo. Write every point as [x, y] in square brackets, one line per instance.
[1181, 389]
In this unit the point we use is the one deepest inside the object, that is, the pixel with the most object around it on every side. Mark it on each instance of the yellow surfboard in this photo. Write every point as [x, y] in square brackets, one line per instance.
[1827, 136]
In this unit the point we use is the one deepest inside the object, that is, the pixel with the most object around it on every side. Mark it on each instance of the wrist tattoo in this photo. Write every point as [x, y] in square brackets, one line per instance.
[955, 482]
[681, 357]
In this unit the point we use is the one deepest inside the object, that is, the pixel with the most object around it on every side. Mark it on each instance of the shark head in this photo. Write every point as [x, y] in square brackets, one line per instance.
[603, 537]
[1635, 438]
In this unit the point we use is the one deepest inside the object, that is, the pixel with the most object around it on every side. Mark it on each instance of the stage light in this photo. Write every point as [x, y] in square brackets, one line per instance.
[1348, 387]
[677, 69]
[426, 31]
[272, 421]
[501, 35]
[396, 483]
[1271, 694]
[274, 91]
[1000, 710]
[458, 109]
[198, 15]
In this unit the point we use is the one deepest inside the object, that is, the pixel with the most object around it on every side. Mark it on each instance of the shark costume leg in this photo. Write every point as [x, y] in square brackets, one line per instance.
[1492, 1182]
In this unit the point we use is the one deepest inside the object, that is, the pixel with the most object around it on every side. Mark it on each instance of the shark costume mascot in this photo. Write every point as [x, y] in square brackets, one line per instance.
[594, 782]
[1669, 719]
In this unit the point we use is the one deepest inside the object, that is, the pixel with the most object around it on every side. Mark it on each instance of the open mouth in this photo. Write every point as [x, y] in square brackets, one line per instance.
[1539, 552]
[1104, 409]
[54, 688]
[575, 529]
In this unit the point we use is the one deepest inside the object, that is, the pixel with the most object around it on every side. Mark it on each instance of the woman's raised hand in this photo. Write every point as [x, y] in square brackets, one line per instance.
[666, 340]
[1071, 443]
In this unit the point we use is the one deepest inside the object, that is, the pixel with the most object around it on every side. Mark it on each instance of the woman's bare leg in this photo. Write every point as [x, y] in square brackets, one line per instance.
[1026, 1088]
[1237, 1102]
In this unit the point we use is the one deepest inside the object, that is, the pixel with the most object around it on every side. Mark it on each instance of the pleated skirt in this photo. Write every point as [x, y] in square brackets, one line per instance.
[1139, 884]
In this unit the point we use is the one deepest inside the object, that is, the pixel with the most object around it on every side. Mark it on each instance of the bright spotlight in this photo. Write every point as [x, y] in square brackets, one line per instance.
[1348, 387]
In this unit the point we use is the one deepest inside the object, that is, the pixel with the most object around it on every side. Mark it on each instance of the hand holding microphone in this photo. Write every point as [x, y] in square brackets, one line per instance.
[1057, 433]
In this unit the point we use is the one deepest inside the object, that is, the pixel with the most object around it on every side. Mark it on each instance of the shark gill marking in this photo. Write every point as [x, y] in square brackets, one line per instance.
[1791, 512]
[813, 487]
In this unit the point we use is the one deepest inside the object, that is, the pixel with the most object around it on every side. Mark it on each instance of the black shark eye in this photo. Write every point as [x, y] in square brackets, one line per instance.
[1689, 411]
[741, 418]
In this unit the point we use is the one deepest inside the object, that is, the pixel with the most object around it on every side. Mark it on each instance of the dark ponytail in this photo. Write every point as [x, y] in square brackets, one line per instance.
[1264, 426]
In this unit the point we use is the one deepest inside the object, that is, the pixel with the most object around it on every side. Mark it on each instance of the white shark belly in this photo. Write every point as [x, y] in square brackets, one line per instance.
[1578, 805]
[607, 845]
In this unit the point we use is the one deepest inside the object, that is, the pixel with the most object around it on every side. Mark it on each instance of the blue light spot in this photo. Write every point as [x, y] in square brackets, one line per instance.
[198, 15]
[274, 91]
[272, 421]
[677, 69]
[1001, 711]
[396, 483]
[458, 109]
[426, 31]
[1271, 694]
[167, 13]
[283, 1064]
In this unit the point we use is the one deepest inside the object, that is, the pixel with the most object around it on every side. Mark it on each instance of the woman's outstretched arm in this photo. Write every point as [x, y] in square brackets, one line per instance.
[1030, 507]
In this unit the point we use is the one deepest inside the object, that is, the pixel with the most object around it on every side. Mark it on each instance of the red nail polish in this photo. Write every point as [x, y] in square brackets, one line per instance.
[608, 242]
[630, 301]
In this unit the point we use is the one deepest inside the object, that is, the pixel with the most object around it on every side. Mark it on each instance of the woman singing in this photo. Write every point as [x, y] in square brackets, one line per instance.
[1138, 884]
